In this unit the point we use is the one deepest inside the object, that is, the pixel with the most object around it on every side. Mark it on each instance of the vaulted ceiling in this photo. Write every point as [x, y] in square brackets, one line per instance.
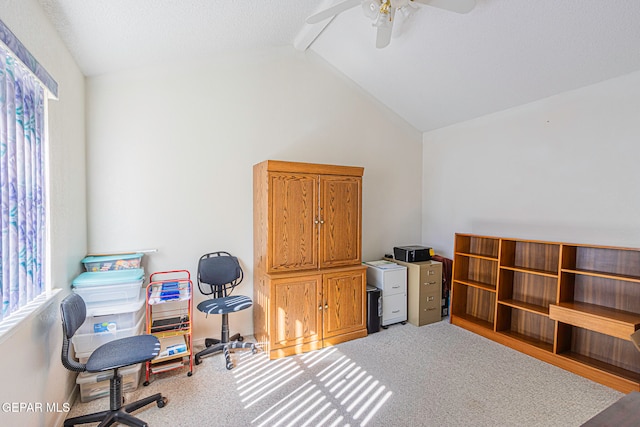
[440, 68]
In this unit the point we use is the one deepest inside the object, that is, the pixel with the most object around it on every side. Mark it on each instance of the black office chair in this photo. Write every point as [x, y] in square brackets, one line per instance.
[218, 274]
[108, 357]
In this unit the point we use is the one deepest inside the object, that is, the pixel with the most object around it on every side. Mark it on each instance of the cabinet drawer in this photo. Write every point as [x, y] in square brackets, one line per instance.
[430, 286]
[394, 288]
[392, 281]
[605, 320]
[394, 309]
[430, 308]
[430, 277]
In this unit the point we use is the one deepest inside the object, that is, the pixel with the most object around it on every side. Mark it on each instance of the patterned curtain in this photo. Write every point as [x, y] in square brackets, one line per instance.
[22, 185]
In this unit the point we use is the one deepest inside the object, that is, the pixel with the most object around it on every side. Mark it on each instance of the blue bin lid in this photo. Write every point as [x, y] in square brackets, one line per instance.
[114, 277]
[107, 258]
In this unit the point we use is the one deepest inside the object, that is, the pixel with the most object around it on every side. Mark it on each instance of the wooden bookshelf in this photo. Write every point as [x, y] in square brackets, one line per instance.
[572, 305]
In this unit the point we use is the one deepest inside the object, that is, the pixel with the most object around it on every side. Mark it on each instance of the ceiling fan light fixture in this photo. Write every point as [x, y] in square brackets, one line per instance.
[383, 20]
[371, 8]
[384, 15]
[382, 12]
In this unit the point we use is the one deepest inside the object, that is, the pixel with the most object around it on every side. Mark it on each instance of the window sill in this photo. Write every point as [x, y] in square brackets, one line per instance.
[10, 326]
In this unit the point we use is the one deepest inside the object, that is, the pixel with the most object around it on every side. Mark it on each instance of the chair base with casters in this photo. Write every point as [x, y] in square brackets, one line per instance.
[117, 412]
[224, 306]
[110, 356]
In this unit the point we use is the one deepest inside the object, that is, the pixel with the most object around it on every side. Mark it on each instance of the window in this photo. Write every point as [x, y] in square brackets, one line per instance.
[23, 214]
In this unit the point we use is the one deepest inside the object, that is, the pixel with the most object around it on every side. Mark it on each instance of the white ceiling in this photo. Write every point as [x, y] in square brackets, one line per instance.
[440, 68]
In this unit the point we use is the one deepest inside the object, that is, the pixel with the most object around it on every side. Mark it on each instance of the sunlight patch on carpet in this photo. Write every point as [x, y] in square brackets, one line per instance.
[340, 394]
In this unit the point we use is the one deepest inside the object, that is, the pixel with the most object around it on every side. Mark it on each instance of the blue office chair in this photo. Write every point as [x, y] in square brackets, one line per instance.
[108, 357]
[218, 275]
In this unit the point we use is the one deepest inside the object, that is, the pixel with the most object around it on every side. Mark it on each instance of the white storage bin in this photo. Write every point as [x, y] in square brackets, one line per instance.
[109, 287]
[110, 318]
[95, 386]
[87, 343]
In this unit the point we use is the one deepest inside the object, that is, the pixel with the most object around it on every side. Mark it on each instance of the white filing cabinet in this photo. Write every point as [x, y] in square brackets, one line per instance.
[391, 278]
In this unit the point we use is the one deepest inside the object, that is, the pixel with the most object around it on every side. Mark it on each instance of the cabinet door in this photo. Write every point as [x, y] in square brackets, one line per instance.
[293, 233]
[296, 311]
[340, 215]
[344, 302]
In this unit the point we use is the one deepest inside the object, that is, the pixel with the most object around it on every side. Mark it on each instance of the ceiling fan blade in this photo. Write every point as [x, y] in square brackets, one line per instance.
[383, 36]
[458, 6]
[332, 11]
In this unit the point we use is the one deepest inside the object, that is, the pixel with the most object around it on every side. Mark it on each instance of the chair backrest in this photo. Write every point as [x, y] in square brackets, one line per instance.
[218, 274]
[73, 312]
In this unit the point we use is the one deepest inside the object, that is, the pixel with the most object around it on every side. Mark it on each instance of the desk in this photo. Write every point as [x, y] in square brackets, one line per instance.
[624, 413]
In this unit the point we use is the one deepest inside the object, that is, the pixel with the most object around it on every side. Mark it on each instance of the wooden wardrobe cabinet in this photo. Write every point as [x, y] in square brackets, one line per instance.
[309, 284]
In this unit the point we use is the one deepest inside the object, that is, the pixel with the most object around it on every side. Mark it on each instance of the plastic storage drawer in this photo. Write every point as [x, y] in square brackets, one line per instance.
[85, 344]
[109, 287]
[112, 262]
[95, 386]
[113, 317]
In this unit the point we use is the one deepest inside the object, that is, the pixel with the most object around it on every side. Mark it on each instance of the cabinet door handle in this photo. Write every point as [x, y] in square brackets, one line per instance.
[326, 306]
[320, 307]
[431, 272]
[396, 311]
[395, 287]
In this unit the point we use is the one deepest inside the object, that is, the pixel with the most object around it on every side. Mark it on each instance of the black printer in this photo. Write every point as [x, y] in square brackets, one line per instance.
[412, 253]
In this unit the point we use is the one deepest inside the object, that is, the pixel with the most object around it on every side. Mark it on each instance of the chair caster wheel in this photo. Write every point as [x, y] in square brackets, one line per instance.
[189, 373]
[240, 339]
[197, 361]
[229, 366]
[162, 402]
[254, 350]
[146, 383]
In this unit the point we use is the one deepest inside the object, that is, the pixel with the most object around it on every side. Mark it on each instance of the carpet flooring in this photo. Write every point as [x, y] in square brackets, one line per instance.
[434, 375]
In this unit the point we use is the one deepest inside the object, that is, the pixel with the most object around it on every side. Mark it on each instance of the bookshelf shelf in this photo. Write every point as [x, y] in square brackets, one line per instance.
[573, 305]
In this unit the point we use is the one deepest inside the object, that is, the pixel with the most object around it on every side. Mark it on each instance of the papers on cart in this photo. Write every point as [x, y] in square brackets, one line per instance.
[171, 346]
[169, 291]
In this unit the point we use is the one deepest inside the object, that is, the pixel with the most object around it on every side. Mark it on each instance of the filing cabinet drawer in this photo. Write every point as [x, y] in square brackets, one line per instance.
[430, 277]
[391, 281]
[395, 283]
[429, 308]
[394, 309]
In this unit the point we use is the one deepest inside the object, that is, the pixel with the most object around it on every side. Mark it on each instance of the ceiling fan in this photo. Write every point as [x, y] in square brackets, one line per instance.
[382, 12]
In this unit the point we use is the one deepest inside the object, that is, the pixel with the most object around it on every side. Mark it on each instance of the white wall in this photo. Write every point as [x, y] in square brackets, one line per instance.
[171, 150]
[30, 358]
[561, 169]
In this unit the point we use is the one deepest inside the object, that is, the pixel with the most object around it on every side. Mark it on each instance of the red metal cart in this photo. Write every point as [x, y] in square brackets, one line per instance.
[169, 298]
